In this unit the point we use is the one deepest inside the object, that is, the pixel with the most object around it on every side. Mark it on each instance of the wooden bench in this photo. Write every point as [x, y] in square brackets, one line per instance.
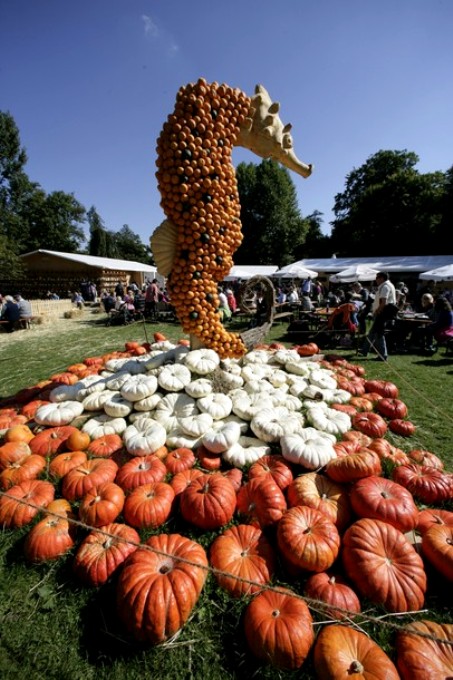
[20, 324]
[282, 312]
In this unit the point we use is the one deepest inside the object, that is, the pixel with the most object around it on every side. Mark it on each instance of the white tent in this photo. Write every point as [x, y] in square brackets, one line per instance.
[439, 274]
[295, 271]
[358, 272]
[238, 273]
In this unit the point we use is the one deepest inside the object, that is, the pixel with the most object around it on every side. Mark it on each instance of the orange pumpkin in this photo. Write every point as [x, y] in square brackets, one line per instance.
[18, 433]
[244, 552]
[78, 441]
[343, 652]
[278, 628]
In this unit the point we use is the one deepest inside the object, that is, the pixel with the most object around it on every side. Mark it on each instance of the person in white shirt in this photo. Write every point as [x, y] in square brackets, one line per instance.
[384, 309]
[293, 296]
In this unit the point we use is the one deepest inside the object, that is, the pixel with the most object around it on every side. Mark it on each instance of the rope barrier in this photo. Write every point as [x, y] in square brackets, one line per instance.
[316, 605]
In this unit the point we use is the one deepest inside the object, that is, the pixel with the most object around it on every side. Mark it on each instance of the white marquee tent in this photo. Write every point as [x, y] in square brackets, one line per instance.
[438, 274]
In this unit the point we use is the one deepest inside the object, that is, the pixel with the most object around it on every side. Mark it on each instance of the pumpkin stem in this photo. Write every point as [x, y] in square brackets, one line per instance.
[275, 613]
[356, 667]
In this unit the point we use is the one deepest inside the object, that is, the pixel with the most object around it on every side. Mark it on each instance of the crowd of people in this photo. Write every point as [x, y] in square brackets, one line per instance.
[13, 310]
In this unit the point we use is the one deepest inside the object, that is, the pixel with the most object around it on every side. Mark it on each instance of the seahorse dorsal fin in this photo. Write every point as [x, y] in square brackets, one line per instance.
[163, 246]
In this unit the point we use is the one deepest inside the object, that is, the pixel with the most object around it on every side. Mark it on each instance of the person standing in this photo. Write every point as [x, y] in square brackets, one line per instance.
[384, 309]
[151, 300]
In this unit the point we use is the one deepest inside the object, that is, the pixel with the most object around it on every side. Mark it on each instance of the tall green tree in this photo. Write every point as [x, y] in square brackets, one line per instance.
[389, 208]
[130, 246]
[102, 241]
[29, 218]
[316, 243]
[272, 225]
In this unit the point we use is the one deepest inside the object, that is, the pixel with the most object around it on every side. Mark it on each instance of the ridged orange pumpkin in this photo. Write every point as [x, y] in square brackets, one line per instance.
[278, 627]
[34, 494]
[156, 591]
[420, 657]
[380, 498]
[48, 539]
[437, 548]
[140, 470]
[341, 653]
[384, 566]
[78, 481]
[275, 467]
[333, 591]
[102, 504]
[103, 551]
[149, 505]
[208, 502]
[245, 552]
[307, 539]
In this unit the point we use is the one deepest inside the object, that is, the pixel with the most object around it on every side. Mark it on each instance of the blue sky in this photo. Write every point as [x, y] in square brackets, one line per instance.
[90, 84]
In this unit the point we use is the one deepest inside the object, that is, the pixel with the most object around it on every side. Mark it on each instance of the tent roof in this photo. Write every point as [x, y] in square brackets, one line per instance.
[98, 262]
[409, 263]
[252, 269]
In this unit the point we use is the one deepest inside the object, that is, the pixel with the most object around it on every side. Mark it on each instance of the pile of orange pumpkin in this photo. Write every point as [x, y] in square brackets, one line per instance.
[346, 531]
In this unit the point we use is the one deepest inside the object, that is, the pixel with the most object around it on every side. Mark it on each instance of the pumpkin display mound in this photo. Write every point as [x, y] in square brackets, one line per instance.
[249, 457]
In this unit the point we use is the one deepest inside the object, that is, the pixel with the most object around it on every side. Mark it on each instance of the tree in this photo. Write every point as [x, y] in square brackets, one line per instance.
[272, 225]
[29, 218]
[130, 246]
[316, 243]
[102, 242]
[11, 266]
[389, 208]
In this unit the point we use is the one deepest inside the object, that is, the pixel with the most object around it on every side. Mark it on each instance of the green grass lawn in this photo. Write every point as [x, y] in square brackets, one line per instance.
[53, 628]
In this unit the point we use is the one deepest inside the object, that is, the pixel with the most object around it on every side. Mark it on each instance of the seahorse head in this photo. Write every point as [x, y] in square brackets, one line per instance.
[264, 133]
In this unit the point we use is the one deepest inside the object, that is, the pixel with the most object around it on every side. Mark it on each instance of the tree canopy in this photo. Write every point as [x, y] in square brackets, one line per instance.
[31, 219]
[389, 208]
[272, 225]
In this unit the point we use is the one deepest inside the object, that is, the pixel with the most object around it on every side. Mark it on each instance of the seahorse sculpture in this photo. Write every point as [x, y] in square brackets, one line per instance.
[194, 246]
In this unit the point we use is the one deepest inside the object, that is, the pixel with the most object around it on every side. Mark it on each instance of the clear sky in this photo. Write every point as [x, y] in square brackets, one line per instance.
[90, 83]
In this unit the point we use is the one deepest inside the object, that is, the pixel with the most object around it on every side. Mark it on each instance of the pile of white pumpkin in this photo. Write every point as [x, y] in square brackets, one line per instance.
[236, 408]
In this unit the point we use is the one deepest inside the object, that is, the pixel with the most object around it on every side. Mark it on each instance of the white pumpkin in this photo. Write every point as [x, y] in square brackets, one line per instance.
[229, 380]
[323, 378]
[247, 405]
[174, 377]
[176, 439]
[134, 366]
[143, 442]
[56, 414]
[245, 452]
[202, 361]
[258, 386]
[255, 371]
[282, 356]
[257, 356]
[221, 439]
[117, 380]
[200, 387]
[196, 426]
[138, 387]
[95, 400]
[173, 407]
[92, 387]
[100, 425]
[270, 425]
[340, 396]
[162, 345]
[329, 420]
[117, 406]
[65, 393]
[218, 405]
[298, 367]
[289, 401]
[148, 403]
[278, 378]
[307, 448]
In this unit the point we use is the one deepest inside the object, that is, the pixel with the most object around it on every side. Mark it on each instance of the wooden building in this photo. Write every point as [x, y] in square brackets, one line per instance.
[64, 273]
